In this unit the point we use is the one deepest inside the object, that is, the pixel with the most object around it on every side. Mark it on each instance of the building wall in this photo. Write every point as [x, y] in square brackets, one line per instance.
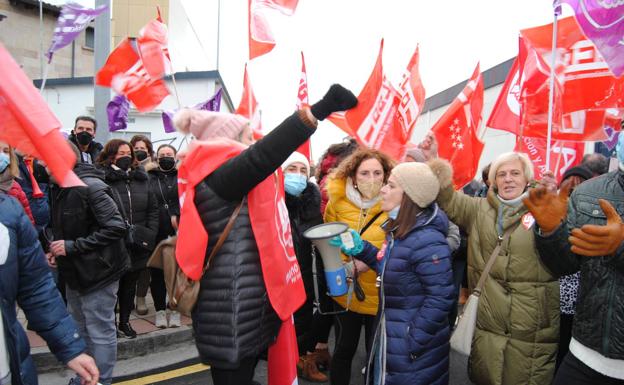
[71, 100]
[19, 33]
[129, 16]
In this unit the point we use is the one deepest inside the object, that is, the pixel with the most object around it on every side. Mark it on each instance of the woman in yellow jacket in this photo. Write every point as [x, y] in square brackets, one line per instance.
[354, 199]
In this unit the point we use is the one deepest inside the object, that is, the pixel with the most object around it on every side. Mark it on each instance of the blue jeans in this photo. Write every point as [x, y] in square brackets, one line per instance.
[94, 313]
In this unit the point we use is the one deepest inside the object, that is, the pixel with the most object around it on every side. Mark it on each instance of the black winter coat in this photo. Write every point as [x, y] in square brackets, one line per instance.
[88, 220]
[233, 318]
[599, 318]
[139, 206]
[164, 185]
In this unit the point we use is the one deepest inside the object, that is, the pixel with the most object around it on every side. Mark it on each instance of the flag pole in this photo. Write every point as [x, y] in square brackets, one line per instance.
[44, 78]
[175, 89]
[551, 94]
[41, 38]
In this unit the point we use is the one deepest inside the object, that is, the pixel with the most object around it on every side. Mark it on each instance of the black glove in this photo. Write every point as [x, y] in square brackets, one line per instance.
[337, 98]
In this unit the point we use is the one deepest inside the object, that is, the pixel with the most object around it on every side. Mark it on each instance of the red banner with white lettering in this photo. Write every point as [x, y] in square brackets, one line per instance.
[563, 155]
[456, 131]
[302, 100]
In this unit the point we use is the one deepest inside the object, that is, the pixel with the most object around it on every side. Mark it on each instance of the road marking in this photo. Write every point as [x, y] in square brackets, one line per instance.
[166, 375]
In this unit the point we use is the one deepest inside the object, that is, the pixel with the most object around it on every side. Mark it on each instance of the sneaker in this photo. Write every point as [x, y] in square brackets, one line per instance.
[161, 319]
[174, 319]
[125, 331]
[141, 307]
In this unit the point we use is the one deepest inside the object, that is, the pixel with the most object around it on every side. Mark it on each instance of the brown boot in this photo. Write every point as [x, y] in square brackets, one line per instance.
[307, 370]
[322, 358]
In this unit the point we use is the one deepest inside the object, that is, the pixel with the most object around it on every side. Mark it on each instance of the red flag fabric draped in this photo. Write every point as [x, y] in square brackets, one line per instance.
[261, 38]
[456, 131]
[27, 123]
[411, 94]
[563, 155]
[248, 107]
[152, 47]
[125, 72]
[302, 100]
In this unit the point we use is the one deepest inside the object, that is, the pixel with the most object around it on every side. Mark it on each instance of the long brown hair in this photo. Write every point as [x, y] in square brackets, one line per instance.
[405, 221]
[348, 167]
[107, 156]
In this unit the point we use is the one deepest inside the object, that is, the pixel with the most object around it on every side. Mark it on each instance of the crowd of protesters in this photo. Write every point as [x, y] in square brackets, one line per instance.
[551, 308]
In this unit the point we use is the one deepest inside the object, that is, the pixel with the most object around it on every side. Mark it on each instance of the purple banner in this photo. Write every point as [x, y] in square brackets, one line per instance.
[602, 21]
[74, 19]
[117, 111]
[612, 137]
[212, 104]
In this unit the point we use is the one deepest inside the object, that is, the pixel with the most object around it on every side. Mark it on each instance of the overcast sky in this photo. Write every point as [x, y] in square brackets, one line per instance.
[340, 40]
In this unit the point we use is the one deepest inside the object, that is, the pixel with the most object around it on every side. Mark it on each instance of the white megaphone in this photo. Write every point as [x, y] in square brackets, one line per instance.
[335, 274]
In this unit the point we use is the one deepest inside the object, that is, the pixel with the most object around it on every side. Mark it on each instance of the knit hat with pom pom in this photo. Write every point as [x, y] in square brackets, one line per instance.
[207, 125]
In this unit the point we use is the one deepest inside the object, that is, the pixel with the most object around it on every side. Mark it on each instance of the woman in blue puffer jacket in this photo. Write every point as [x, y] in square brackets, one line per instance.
[411, 344]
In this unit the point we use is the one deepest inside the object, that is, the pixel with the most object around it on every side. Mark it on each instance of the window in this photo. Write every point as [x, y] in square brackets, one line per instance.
[89, 38]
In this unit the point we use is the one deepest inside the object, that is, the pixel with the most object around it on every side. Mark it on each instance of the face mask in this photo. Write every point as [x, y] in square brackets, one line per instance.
[394, 213]
[619, 148]
[294, 183]
[140, 155]
[123, 162]
[84, 138]
[166, 163]
[369, 190]
[4, 161]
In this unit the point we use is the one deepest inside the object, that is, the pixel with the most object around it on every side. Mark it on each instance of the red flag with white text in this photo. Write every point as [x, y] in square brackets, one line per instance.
[456, 131]
[152, 47]
[27, 123]
[563, 155]
[373, 122]
[125, 73]
[302, 100]
[261, 38]
[411, 94]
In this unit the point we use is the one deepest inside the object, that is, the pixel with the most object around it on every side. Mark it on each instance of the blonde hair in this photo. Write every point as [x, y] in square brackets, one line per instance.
[527, 165]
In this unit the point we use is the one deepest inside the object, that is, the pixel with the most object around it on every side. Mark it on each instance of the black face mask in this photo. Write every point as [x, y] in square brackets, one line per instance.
[140, 155]
[124, 162]
[84, 138]
[166, 163]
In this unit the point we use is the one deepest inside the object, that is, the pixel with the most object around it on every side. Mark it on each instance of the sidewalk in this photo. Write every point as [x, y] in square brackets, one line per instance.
[150, 339]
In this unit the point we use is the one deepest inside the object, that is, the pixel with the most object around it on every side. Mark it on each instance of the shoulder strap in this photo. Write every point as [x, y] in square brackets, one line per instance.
[224, 235]
[119, 203]
[490, 262]
[369, 223]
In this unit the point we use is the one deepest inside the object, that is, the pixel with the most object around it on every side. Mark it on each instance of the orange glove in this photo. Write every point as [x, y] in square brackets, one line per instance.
[548, 208]
[597, 241]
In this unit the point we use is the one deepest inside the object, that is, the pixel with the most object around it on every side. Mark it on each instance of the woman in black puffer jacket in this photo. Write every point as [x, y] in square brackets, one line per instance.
[139, 208]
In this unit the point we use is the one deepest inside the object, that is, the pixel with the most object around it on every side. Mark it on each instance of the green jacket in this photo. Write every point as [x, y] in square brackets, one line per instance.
[517, 333]
[599, 319]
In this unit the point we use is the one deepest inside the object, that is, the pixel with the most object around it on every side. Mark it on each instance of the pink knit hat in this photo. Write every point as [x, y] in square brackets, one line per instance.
[206, 125]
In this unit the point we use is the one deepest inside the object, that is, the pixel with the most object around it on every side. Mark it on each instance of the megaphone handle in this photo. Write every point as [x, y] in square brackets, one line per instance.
[359, 292]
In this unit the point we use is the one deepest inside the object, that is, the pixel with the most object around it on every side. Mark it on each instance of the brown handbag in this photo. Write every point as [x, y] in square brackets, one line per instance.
[182, 290]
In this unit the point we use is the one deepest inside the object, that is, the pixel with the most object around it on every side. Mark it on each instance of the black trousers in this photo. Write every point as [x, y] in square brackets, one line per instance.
[348, 328]
[573, 372]
[565, 335]
[125, 294]
[243, 375]
[158, 288]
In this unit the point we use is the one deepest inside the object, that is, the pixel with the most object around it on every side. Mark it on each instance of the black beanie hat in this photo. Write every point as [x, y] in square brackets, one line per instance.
[579, 171]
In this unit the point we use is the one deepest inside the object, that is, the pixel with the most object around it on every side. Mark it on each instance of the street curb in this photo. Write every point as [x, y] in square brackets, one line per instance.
[153, 342]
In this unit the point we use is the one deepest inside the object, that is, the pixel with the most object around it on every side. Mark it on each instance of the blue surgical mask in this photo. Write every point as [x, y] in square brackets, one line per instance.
[394, 213]
[4, 161]
[619, 148]
[294, 183]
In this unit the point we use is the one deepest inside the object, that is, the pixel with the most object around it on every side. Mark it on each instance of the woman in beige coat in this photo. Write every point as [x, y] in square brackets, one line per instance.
[515, 340]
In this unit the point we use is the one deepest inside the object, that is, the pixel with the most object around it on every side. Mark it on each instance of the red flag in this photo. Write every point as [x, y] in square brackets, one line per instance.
[248, 107]
[125, 73]
[506, 112]
[411, 94]
[563, 155]
[581, 71]
[302, 100]
[373, 122]
[456, 131]
[152, 47]
[283, 356]
[27, 123]
[261, 38]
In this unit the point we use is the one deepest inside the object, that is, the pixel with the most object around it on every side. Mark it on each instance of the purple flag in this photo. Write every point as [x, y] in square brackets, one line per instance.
[612, 137]
[212, 104]
[117, 111]
[74, 19]
[603, 23]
